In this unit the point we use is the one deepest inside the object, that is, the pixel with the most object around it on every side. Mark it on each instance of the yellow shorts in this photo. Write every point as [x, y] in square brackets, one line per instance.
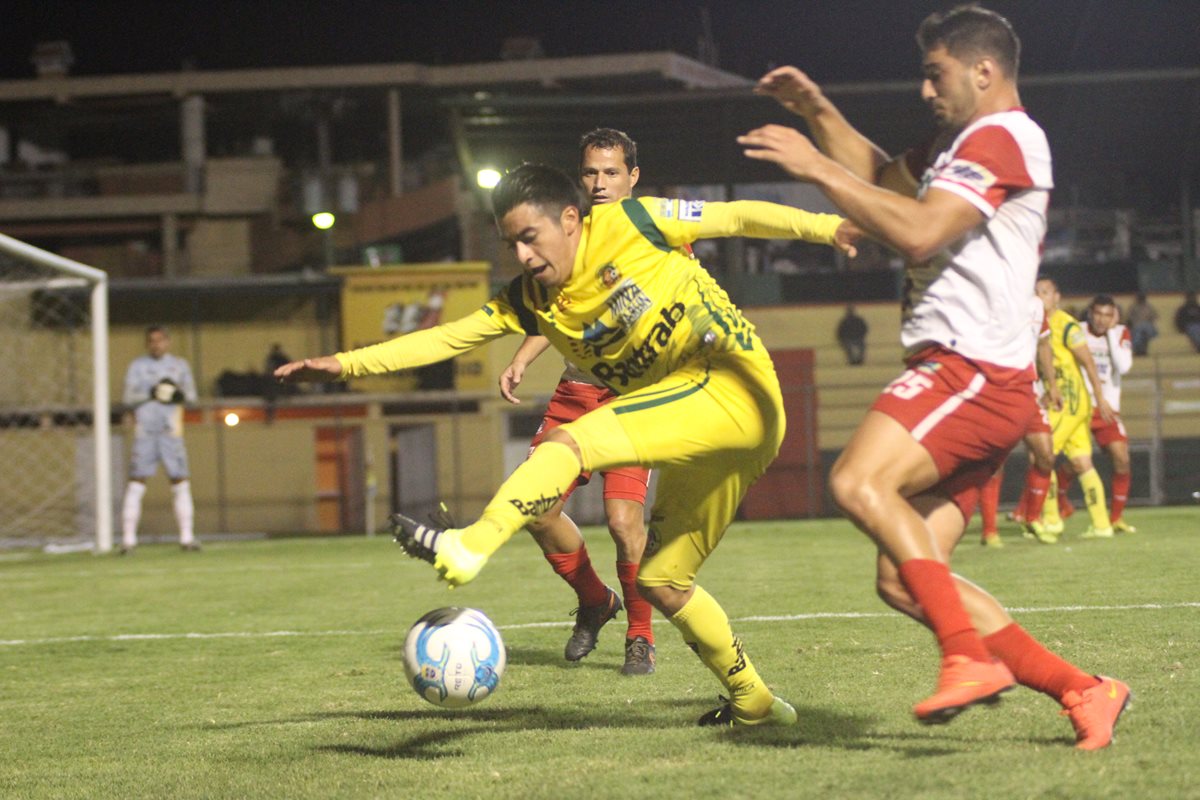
[711, 427]
[1072, 432]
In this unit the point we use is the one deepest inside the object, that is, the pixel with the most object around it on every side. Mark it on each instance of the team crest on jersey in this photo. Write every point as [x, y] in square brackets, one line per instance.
[609, 275]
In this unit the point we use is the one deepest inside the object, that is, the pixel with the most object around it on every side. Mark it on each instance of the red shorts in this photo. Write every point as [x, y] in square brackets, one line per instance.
[1108, 432]
[571, 401]
[968, 415]
[1039, 422]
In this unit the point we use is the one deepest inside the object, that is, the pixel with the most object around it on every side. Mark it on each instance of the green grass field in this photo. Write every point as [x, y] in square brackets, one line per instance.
[272, 669]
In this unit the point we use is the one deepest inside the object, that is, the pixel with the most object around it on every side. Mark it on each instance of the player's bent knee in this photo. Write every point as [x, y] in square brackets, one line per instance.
[563, 437]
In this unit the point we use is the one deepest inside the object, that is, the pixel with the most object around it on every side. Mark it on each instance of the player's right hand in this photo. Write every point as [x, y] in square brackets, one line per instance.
[794, 90]
[322, 368]
[510, 379]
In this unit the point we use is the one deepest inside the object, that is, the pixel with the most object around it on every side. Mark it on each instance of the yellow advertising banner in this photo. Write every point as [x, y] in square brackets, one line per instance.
[381, 303]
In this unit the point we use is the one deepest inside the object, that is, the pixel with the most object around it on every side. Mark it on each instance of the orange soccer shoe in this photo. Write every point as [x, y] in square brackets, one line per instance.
[963, 683]
[1094, 712]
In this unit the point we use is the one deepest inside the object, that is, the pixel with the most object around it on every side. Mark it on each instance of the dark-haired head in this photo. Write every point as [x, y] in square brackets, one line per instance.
[970, 32]
[549, 189]
[610, 139]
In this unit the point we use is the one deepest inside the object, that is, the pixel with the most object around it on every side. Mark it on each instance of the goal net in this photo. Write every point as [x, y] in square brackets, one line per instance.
[55, 435]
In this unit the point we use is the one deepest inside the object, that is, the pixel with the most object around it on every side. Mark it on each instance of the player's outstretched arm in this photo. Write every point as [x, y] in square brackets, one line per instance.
[321, 368]
[916, 228]
[836, 137]
[514, 373]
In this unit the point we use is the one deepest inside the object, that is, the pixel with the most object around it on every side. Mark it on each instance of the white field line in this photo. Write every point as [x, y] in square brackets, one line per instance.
[141, 637]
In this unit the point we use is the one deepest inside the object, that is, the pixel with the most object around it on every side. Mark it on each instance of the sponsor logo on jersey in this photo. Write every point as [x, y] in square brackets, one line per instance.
[643, 357]
[597, 337]
[666, 209]
[971, 174]
[691, 210]
[609, 275]
[535, 507]
[628, 303]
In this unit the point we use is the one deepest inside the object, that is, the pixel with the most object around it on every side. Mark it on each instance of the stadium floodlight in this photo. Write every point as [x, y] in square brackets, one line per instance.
[323, 220]
[487, 178]
[232, 419]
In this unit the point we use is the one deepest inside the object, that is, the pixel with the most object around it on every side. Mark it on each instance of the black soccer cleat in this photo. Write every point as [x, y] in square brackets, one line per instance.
[415, 539]
[639, 657]
[588, 622]
[719, 717]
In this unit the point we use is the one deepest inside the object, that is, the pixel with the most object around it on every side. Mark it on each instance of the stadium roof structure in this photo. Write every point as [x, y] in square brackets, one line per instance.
[1120, 140]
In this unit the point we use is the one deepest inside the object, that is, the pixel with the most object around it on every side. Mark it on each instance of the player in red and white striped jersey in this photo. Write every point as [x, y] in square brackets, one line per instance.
[969, 218]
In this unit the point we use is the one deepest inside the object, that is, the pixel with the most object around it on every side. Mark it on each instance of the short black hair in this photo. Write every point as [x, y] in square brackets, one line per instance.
[158, 329]
[1102, 300]
[608, 139]
[548, 188]
[969, 32]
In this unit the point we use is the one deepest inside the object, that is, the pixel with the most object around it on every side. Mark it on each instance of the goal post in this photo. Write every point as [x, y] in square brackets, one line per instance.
[55, 425]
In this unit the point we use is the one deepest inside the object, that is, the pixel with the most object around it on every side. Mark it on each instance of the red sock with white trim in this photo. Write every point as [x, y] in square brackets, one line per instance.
[1036, 483]
[1120, 494]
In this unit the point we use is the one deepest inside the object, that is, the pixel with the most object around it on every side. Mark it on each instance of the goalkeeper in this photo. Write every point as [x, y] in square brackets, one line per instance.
[157, 385]
[698, 396]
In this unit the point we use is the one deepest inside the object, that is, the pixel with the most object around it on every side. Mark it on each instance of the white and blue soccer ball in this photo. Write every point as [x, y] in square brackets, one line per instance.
[454, 657]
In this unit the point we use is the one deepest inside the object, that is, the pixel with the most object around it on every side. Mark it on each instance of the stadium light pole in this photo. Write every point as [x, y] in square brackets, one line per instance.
[324, 222]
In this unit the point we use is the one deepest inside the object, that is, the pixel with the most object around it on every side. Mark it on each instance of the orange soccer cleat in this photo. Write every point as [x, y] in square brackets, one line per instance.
[1094, 712]
[963, 683]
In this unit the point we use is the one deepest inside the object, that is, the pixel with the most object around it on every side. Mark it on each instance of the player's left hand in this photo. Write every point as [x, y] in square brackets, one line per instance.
[322, 368]
[1106, 412]
[785, 146]
[1054, 398]
[846, 236]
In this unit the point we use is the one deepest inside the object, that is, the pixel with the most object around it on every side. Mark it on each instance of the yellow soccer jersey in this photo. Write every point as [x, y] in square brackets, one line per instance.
[634, 308]
[1065, 334]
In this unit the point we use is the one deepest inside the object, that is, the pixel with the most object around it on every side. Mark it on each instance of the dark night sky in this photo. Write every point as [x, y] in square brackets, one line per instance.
[835, 40]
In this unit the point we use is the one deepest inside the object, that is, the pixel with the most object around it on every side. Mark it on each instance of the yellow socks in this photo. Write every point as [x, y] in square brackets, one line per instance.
[530, 491]
[1050, 516]
[1093, 493]
[706, 630]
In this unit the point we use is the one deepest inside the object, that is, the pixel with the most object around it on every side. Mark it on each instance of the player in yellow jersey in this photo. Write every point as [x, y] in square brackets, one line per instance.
[1071, 424]
[699, 396]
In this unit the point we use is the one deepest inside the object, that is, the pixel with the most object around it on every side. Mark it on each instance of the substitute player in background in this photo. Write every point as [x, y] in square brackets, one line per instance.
[608, 171]
[968, 213]
[1111, 346]
[157, 385]
[699, 397]
[1071, 424]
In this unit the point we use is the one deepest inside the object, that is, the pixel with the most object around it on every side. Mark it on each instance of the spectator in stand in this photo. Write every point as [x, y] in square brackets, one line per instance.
[1187, 319]
[1140, 319]
[852, 336]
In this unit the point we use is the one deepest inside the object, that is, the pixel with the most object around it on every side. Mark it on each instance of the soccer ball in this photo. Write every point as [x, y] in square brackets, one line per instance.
[454, 657]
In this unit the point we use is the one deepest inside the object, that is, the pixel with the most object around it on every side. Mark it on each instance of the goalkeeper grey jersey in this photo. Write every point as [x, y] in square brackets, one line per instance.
[146, 372]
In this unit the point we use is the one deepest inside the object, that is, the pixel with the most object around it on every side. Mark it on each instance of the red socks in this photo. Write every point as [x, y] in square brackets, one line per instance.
[1036, 484]
[932, 586]
[637, 610]
[1035, 666]
[989, 503]
[1120, 494]
[576, 569]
